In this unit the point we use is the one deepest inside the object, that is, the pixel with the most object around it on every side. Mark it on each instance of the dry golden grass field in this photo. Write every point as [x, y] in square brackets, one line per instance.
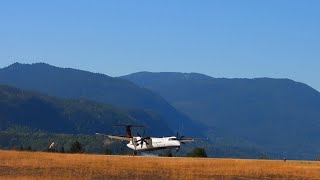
[38, 165]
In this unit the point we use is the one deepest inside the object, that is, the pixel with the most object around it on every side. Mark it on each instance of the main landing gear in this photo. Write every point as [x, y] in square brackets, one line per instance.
[134, 153]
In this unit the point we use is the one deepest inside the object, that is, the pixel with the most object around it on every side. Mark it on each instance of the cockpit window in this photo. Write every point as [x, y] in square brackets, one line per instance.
[172, 139]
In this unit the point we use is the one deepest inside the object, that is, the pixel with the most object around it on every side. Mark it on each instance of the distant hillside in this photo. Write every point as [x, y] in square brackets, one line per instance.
[29, 119]
[279, 115]
[71, 83]
[33, 111]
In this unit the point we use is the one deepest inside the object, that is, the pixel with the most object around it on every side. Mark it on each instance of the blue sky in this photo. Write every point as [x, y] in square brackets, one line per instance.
[236, 39]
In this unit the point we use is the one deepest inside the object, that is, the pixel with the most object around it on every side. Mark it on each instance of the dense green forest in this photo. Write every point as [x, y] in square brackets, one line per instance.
[40, 141]
[22, 139]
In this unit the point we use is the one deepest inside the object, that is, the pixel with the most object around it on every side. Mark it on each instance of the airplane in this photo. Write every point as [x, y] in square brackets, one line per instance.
[141, 143]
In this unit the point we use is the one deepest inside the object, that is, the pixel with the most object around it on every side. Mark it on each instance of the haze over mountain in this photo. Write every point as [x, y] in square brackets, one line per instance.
[72, 83]
[279, 115]
[34, 111]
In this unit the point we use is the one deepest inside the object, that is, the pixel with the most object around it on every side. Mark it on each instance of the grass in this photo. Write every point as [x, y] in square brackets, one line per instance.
[39, 165]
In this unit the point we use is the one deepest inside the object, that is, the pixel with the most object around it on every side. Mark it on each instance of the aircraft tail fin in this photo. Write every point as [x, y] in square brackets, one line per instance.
[128, 129]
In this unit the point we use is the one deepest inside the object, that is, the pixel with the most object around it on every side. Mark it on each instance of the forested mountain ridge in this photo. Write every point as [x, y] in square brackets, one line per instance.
[33, 120]
[72, 83]
[279, 115]
[21, 108]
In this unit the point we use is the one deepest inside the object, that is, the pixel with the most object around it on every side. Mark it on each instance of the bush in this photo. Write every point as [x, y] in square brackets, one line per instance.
[264, 157]
[62, 150]
[108, 151]
[197, 152]
[167, 153]
[76, 147]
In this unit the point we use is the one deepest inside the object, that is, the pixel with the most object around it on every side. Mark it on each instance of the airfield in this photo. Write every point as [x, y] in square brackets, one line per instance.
[39, 165]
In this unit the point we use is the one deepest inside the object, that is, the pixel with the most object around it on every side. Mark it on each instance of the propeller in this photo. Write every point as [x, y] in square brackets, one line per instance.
[181, 138]
[142, 139]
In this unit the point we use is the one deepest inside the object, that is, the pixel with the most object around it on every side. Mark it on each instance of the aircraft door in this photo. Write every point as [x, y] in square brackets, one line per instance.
[149, 145]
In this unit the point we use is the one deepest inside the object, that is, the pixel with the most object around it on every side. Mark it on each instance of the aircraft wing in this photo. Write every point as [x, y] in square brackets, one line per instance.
[191, 139]
[122, 138]
[187, 140]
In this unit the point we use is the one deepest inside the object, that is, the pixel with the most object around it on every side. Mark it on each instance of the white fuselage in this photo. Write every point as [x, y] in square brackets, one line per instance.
[154, 143]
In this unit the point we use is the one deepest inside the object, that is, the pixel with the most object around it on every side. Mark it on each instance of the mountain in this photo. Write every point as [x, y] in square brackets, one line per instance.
[72, 83]
[279, 115]
[34, 111]
[32, 120]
